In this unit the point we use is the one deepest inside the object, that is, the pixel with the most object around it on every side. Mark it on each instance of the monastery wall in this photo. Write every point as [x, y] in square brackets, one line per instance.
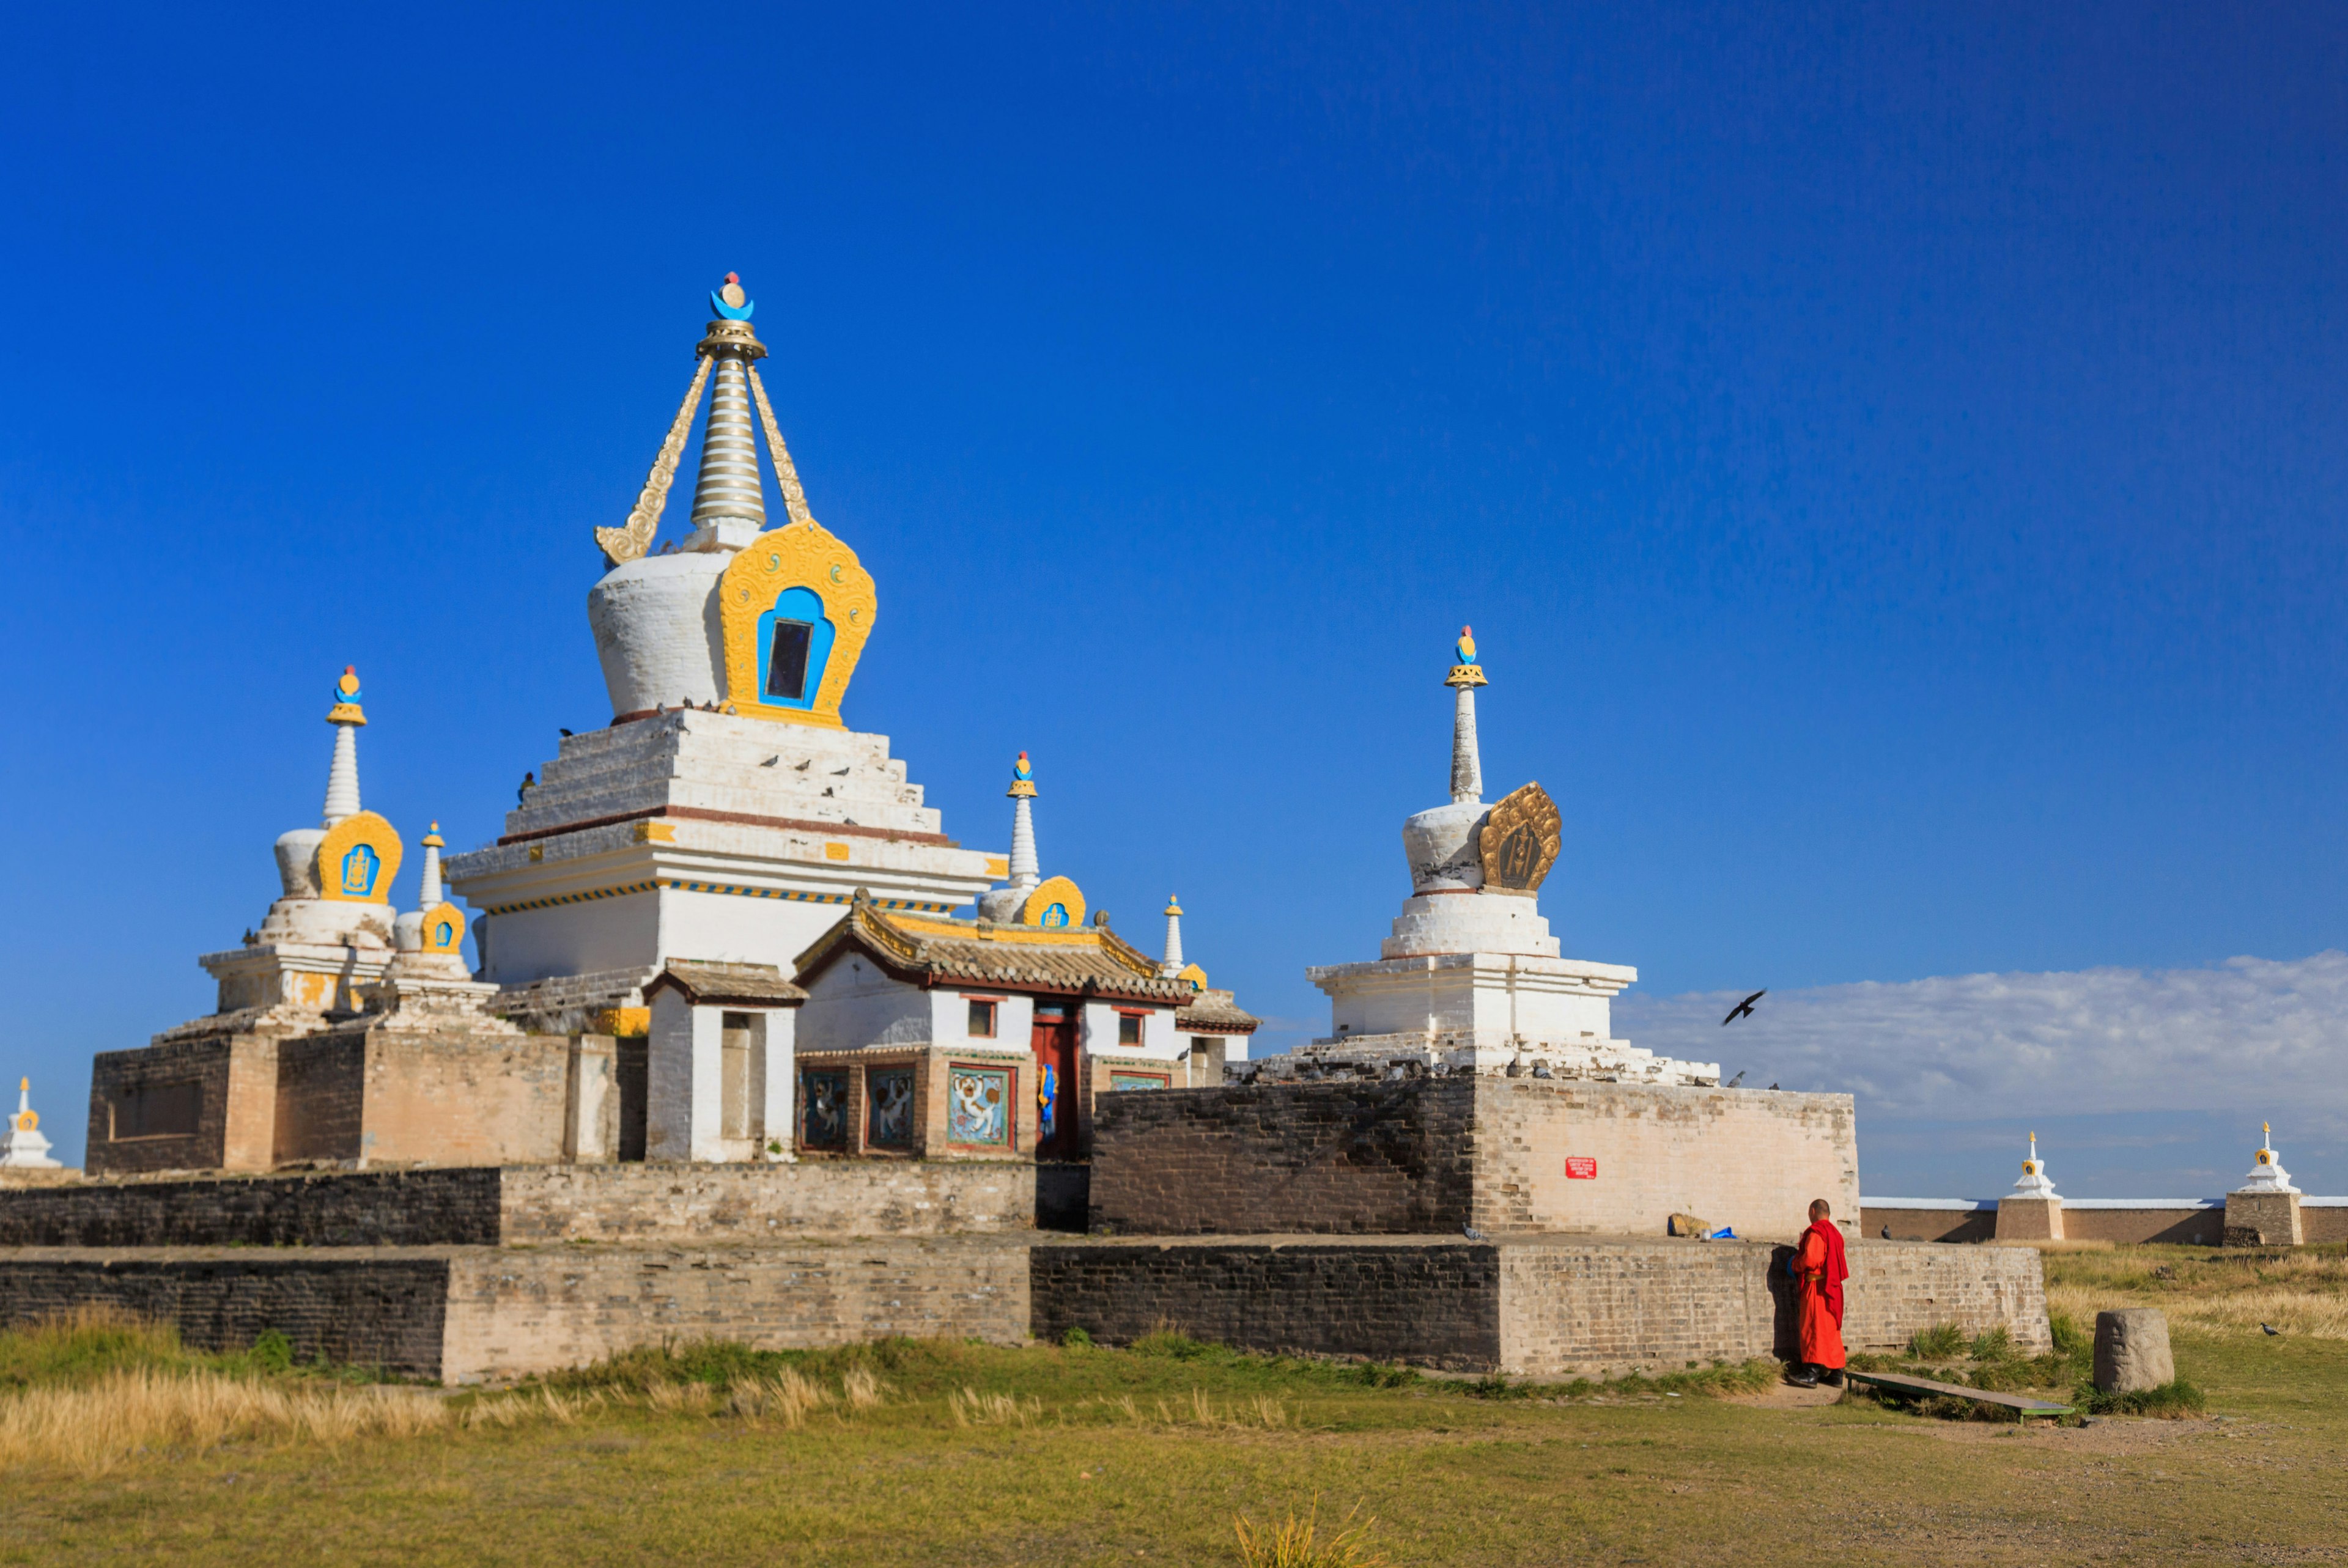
[2124, 1222]
[1435, 1154]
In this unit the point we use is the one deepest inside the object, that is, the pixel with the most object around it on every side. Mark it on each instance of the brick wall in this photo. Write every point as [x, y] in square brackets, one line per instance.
[321, 1099]
[764, 1202]
[1748, 1159]
[1572, 1309]
[1347, 1157]
[1552, 1307]
[532, 1205]
[1433, 1154]
[514, 1312]
[374, 1309]
[363, 1208]
[456, 1097]
[1928, 1225]
[117, 1077]
[2122, 1225]
[1432, 1303]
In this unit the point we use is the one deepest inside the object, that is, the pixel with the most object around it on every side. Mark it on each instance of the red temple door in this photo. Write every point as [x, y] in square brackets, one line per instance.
[1054, 1043]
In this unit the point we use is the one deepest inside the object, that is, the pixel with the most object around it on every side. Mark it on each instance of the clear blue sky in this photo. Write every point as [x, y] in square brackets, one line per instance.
[1891, 458]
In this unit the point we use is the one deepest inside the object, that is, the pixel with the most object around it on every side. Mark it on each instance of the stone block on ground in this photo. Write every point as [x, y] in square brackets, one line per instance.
[2132, 1350]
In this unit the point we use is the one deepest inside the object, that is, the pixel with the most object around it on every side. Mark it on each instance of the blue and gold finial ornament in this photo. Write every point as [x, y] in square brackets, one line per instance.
[1023, 779]
[1466, 671]
[346, 709]
[730, 302]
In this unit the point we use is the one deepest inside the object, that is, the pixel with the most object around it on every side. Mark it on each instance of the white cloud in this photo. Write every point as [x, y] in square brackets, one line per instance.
[2254, 1036]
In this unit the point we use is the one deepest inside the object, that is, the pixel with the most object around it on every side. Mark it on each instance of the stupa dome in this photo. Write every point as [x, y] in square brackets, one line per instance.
[657, 630]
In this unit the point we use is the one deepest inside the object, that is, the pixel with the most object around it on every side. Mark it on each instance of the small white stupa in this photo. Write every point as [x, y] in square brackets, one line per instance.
[2267, 1174]
[23, 1147]
[330, 930]
[2034, 1183]
[1471, 980]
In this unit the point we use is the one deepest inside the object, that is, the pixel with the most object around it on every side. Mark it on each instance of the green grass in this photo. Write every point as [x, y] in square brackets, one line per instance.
[1051, 1454]
[81, 1347]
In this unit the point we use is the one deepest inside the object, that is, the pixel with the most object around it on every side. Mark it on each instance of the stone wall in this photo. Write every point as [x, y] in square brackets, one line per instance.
[132, 1093]
[370, 1308]
[535, 1204]
[513, 1312]
[1346, 1157]
[321, 1098]
[765, 1202]
[458, 1096]
[1434, 1154]
[362, 1208]
[1430, 1302]
[1546, 1308]
[1748, 1159]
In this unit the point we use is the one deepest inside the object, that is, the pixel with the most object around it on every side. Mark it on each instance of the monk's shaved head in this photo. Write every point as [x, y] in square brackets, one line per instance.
[1819, 1209]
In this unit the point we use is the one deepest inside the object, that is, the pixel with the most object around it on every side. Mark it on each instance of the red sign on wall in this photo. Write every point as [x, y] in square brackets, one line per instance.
[1581, 1167]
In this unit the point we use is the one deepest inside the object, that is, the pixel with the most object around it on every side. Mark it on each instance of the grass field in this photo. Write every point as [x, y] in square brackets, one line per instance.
[121, 1448]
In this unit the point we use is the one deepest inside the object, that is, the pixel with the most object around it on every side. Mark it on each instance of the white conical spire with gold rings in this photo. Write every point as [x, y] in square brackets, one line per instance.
[730, 502]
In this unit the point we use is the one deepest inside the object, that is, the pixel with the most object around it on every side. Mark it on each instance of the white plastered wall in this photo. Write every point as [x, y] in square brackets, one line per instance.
[617, 933]
[684, 1089]
[854, 1003]
[1160, 1042]
[1496, 993]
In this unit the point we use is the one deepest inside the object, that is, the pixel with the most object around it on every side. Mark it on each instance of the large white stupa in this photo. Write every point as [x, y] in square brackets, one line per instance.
[1471, 980]
[727, 813]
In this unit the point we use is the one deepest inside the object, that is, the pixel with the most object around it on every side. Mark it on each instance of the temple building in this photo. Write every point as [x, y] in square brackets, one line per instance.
[1471, 981]
[706, 928]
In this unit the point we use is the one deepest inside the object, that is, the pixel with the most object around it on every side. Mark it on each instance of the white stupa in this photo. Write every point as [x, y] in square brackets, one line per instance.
[726, 813]
[1471, 980]
[329, 933]
[23, 1147]
[2267, 1174]
[2034, 1183]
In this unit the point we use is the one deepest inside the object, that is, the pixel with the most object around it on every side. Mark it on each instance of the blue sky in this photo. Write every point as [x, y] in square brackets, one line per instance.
[1891, 459]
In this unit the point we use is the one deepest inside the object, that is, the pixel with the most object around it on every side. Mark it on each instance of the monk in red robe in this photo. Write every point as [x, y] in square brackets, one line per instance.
[1819, 1269]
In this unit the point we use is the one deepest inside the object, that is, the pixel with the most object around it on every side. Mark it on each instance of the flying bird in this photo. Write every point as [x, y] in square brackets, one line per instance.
[1742, 1008]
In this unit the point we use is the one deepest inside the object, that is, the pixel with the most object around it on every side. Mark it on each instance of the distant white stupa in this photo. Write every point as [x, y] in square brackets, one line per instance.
[23, 1147]
[2034, 1183]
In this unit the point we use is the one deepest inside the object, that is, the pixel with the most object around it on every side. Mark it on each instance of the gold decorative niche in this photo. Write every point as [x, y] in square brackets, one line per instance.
[1054, 893]
[800, 574]
[1520, 841]
[357, 859]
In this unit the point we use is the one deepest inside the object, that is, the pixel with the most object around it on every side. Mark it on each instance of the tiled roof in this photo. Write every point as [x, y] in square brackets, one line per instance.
[1214, 1013]
[929, 950]
[715, 985]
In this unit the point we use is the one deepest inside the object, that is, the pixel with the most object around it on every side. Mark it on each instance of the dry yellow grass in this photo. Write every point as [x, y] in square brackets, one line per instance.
[2302, 1292]
[126, 1413]
[1297, 1543]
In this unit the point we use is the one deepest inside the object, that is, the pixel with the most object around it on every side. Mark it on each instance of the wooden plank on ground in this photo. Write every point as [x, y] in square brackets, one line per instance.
[1906, 1385]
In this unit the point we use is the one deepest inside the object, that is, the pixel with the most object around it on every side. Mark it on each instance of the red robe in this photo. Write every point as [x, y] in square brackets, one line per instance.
[1819, 1269]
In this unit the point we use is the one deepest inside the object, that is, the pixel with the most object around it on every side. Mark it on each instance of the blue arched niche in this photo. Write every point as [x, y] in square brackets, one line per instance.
[794, 639]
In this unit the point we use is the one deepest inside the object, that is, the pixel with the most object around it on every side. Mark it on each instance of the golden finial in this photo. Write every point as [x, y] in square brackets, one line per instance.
[346, 709]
